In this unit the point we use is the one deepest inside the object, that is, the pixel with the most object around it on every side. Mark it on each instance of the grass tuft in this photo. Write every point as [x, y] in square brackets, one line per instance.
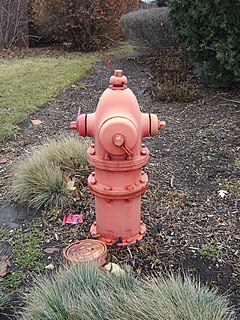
[84, 292]
[41, 178]
[4, 297]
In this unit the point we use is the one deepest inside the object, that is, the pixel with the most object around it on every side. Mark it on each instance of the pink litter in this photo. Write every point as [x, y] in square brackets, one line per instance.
[4, 160]
[36, 122]
[109, 62]
[72, 219]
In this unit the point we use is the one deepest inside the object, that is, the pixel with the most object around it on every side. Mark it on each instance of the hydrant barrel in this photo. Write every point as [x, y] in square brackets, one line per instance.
[117, 156]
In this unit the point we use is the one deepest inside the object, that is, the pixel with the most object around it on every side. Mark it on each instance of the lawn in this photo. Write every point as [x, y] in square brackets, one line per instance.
[29, 81]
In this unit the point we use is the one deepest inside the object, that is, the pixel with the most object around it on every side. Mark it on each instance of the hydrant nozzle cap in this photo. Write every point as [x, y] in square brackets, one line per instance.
[73, 125]
[118, 80]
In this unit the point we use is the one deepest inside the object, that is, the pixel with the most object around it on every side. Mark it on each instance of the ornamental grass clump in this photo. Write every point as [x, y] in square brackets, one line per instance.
[46, 177]
[82, 292]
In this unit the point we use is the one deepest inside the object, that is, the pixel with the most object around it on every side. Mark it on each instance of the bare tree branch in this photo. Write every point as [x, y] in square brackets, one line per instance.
[13, 23]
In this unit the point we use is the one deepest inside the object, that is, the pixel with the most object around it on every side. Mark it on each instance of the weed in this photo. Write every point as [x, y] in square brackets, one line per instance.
[4, 233]
[84, 292]
[237, 164]
[27, 254]
[14, 280]
[52, 215]
[171, 77]
[4, 296]
[168, 92]
[211, 130]
[209, 252]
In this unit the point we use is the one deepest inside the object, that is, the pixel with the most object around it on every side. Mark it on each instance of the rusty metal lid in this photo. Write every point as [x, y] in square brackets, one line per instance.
[86, 251]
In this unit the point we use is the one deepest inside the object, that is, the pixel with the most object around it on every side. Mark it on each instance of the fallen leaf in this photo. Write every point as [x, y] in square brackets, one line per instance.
[70, 185]
[3, 160]
[114, 268]
[83, 85]
[51, 250]
[49, 266]
[222, 193]
[36, 122]
[3, 267]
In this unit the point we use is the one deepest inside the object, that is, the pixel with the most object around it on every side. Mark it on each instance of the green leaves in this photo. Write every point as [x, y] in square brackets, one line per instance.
[210, 32]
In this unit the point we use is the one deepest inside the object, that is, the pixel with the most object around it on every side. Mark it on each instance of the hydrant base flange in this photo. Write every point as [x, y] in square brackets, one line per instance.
[119, 241]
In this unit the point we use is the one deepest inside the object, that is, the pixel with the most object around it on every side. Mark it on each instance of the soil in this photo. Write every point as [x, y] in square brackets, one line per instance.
[190, 227]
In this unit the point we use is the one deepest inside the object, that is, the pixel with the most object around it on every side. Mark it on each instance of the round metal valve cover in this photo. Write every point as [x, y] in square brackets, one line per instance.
[113, 127]
[88, 250]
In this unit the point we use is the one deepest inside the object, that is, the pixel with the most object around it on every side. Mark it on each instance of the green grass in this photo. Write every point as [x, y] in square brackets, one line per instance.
[83, 292]
[237, 164]
[27, 255]
[209, 252]
[28, 82]
[4, 296]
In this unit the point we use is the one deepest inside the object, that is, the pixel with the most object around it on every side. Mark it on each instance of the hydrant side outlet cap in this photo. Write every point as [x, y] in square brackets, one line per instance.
[114, 130]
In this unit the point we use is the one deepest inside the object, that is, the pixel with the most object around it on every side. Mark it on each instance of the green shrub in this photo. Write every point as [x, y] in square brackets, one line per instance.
[162, 3]
[210, 32]
[149, 28]
[85, 25]
[42, 177]
[83, 292]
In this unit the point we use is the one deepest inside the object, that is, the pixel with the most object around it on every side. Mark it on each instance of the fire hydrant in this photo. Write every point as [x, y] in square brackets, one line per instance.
[118, 156]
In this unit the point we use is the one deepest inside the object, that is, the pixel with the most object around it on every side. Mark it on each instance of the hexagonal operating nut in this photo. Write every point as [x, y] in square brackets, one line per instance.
[118, 140]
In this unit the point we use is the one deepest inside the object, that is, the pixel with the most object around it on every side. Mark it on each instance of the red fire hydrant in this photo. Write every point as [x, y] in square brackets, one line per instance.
[118, 156]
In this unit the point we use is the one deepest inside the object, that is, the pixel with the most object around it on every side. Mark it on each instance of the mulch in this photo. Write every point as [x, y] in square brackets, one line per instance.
[190, 227]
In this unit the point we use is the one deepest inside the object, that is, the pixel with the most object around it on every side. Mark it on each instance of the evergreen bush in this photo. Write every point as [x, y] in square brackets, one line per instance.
[149, 28]
[210, 32]
[162, 3]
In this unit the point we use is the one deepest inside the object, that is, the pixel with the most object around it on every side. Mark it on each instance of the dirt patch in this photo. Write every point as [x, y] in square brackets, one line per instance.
[190, 226]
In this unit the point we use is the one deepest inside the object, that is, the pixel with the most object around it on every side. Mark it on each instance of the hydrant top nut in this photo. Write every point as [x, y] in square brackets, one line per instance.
[118, 80]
